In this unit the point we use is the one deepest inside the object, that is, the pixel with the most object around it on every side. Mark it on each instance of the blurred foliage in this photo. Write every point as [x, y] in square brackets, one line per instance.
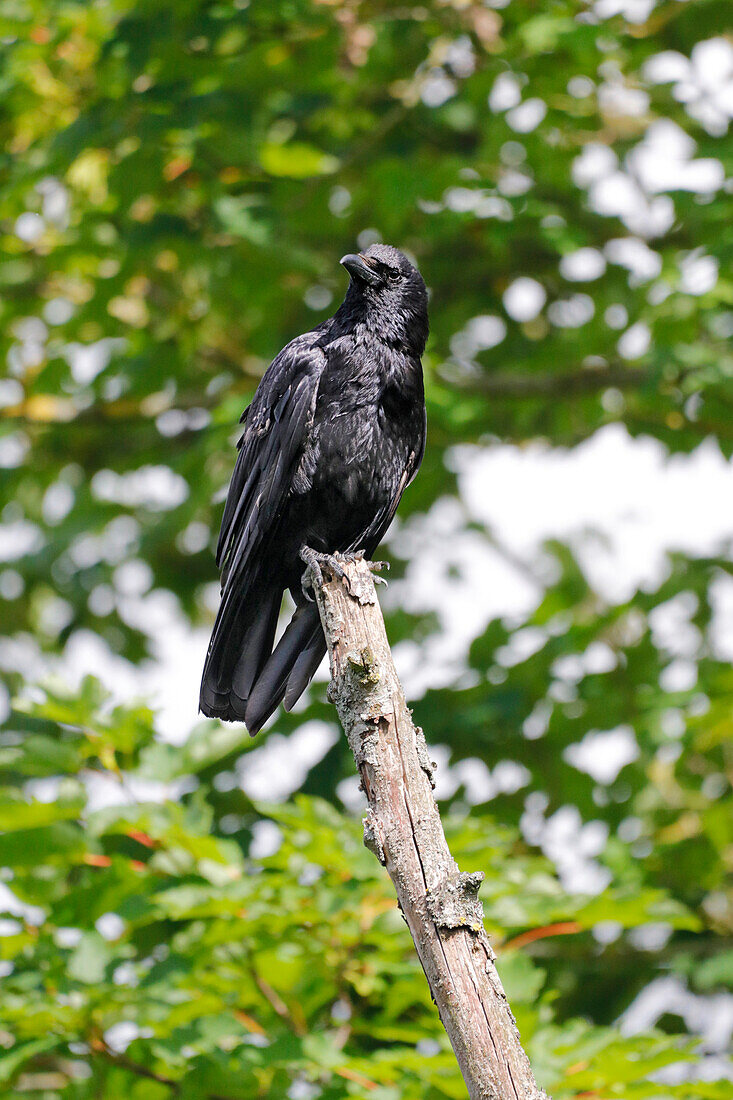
[178, 182]
[236, 974]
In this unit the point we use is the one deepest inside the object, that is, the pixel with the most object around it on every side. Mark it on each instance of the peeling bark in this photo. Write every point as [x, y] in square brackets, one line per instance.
[403, 829]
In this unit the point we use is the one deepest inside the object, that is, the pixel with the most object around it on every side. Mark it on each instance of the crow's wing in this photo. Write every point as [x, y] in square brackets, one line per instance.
[276, 431]
[377, 529]
[302, 647]
[276, 427]
[313, 649]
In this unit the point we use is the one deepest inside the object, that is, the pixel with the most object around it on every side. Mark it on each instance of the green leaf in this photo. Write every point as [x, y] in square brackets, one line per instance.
[297, 160]
[89, 959]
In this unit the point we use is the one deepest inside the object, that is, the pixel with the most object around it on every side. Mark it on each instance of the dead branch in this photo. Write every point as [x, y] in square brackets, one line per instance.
[403, 829]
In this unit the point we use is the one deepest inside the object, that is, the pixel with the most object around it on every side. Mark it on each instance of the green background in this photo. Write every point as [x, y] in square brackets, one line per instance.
[178, 181]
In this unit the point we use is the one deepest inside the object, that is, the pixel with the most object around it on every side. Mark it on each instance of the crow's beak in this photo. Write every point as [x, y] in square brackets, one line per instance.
[358, 268]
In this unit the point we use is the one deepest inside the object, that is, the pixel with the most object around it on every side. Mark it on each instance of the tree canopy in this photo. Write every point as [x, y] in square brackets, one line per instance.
[194, 915]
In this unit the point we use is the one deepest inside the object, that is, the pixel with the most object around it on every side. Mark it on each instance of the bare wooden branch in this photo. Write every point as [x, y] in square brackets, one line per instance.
[520, 387]
[403, 829]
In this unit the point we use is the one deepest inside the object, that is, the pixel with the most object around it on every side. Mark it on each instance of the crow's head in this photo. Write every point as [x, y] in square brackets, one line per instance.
[389, 294]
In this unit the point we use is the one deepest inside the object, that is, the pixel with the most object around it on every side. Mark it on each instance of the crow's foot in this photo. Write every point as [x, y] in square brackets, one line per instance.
[352, 555]
[376, 567]
[314, 565]
[315, 562]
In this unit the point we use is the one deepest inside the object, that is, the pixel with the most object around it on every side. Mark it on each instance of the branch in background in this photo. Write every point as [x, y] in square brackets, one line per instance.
[122, 1062]
[45, 408]
[403, 829]
[565, 384]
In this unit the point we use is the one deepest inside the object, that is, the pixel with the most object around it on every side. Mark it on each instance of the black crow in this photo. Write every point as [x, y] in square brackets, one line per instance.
[334, 433]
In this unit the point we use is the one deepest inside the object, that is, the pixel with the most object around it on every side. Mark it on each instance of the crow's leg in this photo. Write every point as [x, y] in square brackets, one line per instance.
[314, 563]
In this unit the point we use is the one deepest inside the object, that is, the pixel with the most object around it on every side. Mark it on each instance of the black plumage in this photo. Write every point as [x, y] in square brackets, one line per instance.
[334, 433]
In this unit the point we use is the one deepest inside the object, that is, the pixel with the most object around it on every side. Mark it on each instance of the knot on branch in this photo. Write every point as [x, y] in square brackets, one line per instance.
[455, 902]
[364, 666]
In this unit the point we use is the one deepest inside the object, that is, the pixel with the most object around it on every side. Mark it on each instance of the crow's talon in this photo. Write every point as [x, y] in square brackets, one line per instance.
[352, 555]
[314, 563]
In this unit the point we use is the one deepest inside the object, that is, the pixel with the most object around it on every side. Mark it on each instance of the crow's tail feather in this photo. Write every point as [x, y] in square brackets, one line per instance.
[305, 667]
[286, 674]
[244, 679]
[240, 645]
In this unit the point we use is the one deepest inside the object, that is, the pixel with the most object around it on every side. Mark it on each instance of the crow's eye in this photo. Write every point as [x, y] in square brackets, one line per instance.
[386, 271]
